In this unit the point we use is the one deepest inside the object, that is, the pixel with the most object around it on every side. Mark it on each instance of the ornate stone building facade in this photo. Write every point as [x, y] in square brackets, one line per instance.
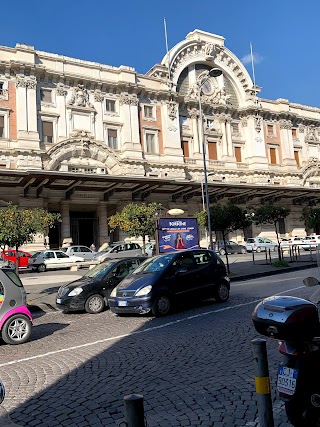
[84, 139]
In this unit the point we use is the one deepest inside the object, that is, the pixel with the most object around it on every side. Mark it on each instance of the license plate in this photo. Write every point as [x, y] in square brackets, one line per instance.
[287, 380]
[122, 303]
[58, 301]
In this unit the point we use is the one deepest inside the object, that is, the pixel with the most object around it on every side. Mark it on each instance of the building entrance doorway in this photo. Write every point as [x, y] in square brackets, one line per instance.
[84, 228]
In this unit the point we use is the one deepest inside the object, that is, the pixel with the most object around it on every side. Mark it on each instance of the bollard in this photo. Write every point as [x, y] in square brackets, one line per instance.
[2, 392]
[270, 259]
[253, 256]
[262, 381]
[133, 410]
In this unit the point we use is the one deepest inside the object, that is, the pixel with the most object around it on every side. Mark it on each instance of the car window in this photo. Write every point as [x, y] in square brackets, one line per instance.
[232, 242]
[132, 265]
[13, 277]
[10, 253]
[260, 241]
[48, 255]
[98, 271]
[128, 247]
[267, 241]
[35, 255]
[122, 270]
[184, 261]
[61, 255]
[74, 249]
[250, 241]
[84, 249]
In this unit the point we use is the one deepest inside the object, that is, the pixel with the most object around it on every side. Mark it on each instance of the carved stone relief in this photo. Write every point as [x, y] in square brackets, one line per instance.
[311, 134]
[26, 82]
[61, 89]
[128, 99]
[172, 110]
[80, 97]
[285, 124]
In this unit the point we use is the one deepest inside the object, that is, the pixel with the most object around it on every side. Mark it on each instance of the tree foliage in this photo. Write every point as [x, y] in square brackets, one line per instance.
[311, 217]
[18, 226]
[136, 220]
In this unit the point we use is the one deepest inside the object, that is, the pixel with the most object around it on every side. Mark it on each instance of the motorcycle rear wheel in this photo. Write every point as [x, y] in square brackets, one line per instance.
[301, 414]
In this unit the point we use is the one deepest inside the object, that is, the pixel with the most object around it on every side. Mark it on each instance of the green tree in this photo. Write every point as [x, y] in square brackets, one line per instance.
[271, 214]
[225, 219]
[136, 220]
[311, 217]
[18, 226]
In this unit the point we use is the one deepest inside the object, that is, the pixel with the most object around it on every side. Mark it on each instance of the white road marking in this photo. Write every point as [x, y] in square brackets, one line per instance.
[153, 328]
[255, 281]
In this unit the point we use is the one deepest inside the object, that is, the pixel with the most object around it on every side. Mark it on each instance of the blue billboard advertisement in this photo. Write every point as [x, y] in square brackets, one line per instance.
[175, 234]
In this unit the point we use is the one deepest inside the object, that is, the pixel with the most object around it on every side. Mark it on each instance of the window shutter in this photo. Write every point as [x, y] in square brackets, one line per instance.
[212, 150]
[47, 128]
[296, 156]
[237, 154]
[273, 157]
[2, 122]
[185, 148]
[112, 133]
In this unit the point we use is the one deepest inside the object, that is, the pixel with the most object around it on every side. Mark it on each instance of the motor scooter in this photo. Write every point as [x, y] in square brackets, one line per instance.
[294, 322]
[15, 318]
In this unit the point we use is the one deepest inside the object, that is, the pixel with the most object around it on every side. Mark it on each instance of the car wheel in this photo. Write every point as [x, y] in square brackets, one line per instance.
[258, 249]
[221, 293]
[41, 268]
[17, 329]
[243, 251]
[162, 305]
[222, 251]
[94, 304]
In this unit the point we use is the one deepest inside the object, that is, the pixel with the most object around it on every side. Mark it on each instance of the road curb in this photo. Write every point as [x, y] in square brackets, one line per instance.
[272, 272]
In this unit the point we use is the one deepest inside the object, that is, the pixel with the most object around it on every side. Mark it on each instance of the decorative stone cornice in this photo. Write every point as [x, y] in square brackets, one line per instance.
[61, 89]
[285, 124]
[26, 82]
[193, 113]
[98, 96]
[128, 99]
[244, 122]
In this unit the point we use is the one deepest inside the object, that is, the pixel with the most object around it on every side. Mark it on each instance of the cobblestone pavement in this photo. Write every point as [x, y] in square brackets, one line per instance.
[194, 368]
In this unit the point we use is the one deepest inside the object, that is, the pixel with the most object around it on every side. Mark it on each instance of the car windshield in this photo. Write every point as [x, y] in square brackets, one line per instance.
[154, 264]
[100, 270]
[63, 249]
[35, 255]
[250, 241]
[108, 248]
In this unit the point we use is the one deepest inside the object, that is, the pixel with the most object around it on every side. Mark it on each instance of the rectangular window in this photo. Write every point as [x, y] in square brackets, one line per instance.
[237, 154]
[235, 127]
[294, 133]
[46, 95]
[110, 105]
[113, 139]
[185, 148]
[210, 123]
[212, 150]
[270, 130]
[150, 143]
[296, 156]
[148, 112]
[273, 156]
[1, 126]
[47, 132]
[1, 88]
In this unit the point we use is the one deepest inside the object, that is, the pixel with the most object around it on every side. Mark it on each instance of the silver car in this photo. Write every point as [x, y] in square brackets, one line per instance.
[118, 250]
[258, 244]
[79, 250]
[52, 259]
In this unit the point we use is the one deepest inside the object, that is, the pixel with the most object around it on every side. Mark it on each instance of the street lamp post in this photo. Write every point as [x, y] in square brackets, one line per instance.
[214, 72]
[203, 201]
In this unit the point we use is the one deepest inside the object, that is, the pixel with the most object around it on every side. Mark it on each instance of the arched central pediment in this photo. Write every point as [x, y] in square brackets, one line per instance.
[82, 152]
[311, 172]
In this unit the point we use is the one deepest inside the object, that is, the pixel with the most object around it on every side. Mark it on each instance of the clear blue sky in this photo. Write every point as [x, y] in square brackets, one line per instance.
[285, 35]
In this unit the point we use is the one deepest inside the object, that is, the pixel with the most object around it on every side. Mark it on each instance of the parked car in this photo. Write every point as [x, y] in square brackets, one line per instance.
[91, 291]
[78, 250]
[118, 250]
[311, 242]
[259, 244]
[50, 259]
[288, 242]
[161, 281]
[10, 257]
[232, 247]
[150, 249]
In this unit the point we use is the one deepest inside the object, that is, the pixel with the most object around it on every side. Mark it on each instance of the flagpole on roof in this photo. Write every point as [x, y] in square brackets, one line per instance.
[253, 73]
[168, 55]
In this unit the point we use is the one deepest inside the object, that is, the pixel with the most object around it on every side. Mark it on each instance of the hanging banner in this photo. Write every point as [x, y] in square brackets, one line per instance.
[176, 234]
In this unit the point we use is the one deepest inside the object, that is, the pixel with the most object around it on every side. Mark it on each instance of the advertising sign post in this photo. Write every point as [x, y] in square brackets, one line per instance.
[174, 234]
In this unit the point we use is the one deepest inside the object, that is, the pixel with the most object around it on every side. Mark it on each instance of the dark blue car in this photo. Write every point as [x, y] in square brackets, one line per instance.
[165, 279]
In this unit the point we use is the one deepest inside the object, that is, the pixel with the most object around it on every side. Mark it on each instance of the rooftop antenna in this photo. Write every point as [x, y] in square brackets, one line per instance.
[168, 55]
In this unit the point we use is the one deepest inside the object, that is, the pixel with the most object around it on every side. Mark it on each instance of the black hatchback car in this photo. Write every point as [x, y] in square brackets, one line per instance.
[92, 290]
[165, 279]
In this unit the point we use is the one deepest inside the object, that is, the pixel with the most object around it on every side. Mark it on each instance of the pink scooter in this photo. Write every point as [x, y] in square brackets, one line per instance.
[15, 318]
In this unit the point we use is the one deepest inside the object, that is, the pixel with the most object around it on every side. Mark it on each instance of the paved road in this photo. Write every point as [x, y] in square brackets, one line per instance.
[193, 367]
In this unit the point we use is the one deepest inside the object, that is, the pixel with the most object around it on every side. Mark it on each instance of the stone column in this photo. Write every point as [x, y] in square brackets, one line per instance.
[229, 137]
[61, 93]
[194, 114]
[130, 131]
[65, 221]
[288, 159]
[222, 121]
[103, 224]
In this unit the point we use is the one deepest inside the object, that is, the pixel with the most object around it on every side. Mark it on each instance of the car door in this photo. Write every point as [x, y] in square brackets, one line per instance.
[23, 259]
[63, 260]
[85, 252]
[50, 259]
[233, 247]
[210, 270]
[181, 277]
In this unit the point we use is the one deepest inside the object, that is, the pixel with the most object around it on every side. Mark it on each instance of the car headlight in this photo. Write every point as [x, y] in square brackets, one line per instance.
[144, 291]
[114, 293]
[75, 292]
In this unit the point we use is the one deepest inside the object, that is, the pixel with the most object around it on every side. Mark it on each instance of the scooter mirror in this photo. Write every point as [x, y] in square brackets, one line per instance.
[311, 281]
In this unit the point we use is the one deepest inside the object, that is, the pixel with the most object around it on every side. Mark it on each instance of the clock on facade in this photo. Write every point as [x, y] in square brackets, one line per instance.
[207, 88]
